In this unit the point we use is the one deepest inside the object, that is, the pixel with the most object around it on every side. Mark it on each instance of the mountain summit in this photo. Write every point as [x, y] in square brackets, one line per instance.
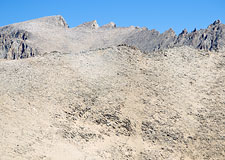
[89, 25]
[30, 38]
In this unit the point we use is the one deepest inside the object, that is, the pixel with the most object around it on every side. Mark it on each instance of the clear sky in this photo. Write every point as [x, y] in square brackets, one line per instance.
[158, 14]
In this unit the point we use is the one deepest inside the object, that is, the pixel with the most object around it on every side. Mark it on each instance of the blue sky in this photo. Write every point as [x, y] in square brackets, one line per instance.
[160, 14]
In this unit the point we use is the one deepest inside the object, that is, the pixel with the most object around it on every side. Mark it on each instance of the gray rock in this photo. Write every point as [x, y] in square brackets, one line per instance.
[212, 38]
[57, 21]
[109, 25]
[89, 25]
[13, 45]
[151, 40]
[47, 34]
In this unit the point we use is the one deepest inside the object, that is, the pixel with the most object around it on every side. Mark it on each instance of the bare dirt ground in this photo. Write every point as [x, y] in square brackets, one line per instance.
[114, 103]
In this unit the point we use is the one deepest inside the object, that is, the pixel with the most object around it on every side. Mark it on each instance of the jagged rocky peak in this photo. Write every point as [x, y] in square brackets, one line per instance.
[194, 31]
[89, 25]
[184, 32]
[215, 25]
[61, 21]
[216, 22]
[170, 33]
[109, 25]
[212, 38]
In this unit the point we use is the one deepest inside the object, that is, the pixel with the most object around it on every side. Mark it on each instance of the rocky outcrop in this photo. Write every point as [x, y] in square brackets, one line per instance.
[212, 38]
[17, 40]
[61, 21]
[89, 25]
[110, 25]
[151, 40]
[13, 45]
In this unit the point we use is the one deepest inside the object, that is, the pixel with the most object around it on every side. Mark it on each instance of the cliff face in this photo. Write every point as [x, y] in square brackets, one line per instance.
[52, 33]
[13, 44]
[212, 38]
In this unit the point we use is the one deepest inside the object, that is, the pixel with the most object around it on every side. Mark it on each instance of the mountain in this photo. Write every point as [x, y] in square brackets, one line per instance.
[210, 39]
[52, 33]
[105, 92]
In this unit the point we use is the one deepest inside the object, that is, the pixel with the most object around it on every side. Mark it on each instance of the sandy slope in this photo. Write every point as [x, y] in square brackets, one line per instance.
[113, 103]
